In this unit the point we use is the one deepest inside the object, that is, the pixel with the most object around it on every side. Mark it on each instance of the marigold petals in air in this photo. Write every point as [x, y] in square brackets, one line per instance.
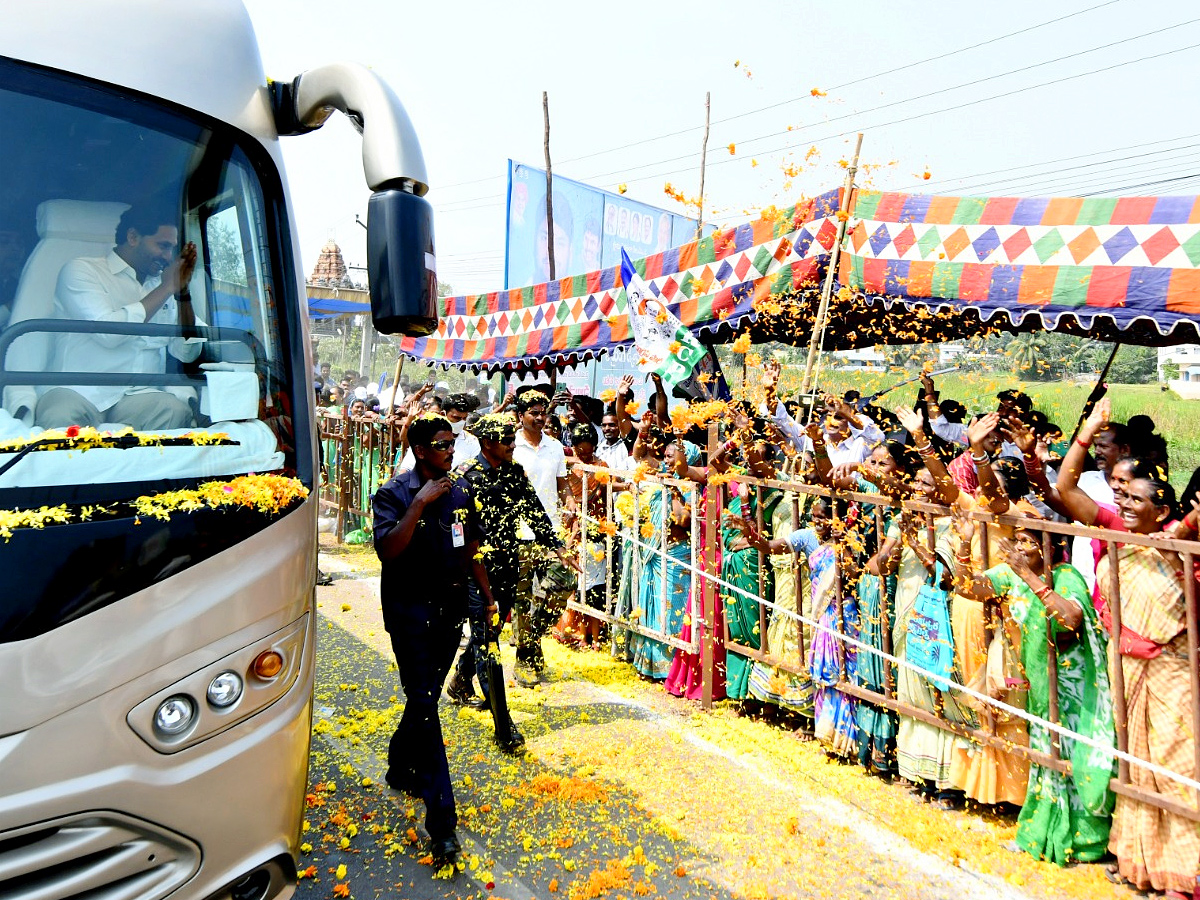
[742, 344]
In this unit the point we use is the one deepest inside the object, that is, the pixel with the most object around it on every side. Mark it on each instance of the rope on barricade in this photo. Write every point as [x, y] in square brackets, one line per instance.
[961, 688]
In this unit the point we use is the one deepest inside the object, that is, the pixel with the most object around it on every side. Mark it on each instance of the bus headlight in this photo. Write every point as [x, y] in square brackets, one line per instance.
[174, 715]
[225, 690]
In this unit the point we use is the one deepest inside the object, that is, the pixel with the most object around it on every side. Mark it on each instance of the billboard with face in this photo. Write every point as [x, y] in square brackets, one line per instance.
[590, 228]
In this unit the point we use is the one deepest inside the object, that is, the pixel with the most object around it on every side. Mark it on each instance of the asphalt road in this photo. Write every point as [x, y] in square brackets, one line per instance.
[527, 831]
[623, 792]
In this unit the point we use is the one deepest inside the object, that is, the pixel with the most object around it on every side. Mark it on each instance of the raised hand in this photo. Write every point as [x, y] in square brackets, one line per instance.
[625, 386]
[1022, 435]
[433, 489]
[842, 475]
[981, 428]
[771, 372]
[1008, 551]
[177, 274]
[912, 421]
[964, 526]
[1096, 419]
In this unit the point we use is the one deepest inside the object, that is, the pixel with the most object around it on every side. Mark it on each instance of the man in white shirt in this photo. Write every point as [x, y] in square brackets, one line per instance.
[542, 457]
[849, 436]
[612, 448]
[466, 446]
[140, 280]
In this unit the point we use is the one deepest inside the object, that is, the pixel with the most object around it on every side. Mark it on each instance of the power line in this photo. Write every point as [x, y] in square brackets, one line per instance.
[933, 112]
[936, 93]
[836, 87]
[1071, 173]
[690, 156]
[959, 178]
[1145, 184]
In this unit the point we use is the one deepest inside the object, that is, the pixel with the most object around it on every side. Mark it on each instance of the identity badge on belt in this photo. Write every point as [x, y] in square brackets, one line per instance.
[458, 534]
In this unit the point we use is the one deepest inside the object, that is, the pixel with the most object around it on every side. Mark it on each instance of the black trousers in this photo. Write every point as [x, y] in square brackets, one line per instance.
[473, 660]
[424, 641]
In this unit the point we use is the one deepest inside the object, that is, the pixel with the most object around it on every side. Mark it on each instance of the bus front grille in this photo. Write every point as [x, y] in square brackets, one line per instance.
[94, 856]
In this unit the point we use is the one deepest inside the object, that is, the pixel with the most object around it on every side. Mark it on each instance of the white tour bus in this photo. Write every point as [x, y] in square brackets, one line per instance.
[156, 616]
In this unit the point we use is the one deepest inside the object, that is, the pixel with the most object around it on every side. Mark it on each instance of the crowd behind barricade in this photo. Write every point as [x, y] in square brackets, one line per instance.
[909, 587]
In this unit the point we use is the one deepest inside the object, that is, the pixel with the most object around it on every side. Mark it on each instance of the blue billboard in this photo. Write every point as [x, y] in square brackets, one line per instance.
[590, 228]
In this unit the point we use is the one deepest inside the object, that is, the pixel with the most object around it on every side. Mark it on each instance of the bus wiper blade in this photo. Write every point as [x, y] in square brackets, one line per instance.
[116, 442]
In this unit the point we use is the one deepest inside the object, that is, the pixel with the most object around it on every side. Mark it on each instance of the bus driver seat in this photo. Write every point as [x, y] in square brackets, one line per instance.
[66, 229]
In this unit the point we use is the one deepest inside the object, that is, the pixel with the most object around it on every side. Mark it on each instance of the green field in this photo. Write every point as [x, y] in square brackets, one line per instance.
[1176, 419]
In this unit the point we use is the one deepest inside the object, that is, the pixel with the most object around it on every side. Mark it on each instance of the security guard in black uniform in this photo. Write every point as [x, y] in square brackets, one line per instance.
[427, 534]
[506, 501]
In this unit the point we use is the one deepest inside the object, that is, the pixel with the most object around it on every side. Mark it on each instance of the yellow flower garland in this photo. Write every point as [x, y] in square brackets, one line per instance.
[76, 438]
[268, 494]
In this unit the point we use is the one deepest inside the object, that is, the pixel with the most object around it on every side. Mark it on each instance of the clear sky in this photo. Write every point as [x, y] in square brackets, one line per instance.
[1102, 101]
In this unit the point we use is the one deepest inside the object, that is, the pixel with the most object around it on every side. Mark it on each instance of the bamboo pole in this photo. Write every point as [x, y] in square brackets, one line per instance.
[395, 384]
[703, 160]
[549, 188]
[818, 331]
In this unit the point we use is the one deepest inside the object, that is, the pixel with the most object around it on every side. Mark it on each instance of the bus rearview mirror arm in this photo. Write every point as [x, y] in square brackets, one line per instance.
[401, 262]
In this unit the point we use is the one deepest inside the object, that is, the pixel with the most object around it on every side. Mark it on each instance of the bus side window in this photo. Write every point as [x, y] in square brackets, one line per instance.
[224, 250]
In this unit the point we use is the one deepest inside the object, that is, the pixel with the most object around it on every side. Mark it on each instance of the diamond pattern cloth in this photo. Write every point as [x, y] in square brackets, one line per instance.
[704, 283]
[1130, 259]
[1127, 258]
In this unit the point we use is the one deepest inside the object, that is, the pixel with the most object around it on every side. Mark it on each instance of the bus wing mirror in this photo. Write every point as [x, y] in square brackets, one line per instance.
[401, 265]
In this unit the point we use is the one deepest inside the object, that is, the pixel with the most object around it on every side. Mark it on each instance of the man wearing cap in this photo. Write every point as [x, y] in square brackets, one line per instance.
[517, 526]
[427, 535]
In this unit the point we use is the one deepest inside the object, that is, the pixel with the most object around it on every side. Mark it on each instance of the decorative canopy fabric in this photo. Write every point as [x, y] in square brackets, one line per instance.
[330, 307]
[1118, 268]
[1129, 260]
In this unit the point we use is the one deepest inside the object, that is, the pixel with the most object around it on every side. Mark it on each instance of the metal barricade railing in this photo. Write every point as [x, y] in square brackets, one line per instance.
[888, 699]
[357, 456]
[629, 537]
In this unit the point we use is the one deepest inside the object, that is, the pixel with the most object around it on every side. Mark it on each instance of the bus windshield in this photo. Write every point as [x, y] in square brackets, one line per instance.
[103, 194]
[127, 370]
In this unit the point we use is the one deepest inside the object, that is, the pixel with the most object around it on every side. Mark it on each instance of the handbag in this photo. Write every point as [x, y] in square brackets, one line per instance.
[930, 641]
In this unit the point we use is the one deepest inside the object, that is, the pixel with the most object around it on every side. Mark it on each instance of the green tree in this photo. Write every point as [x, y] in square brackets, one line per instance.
[1134, 365]
[225, 253]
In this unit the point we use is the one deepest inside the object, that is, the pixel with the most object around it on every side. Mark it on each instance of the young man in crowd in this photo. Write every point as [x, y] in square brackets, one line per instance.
[544, 461]
[456, 408]
[427, 535]
[517, 527]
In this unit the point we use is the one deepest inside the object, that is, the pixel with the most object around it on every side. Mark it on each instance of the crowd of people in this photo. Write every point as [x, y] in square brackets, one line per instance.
[978, 607]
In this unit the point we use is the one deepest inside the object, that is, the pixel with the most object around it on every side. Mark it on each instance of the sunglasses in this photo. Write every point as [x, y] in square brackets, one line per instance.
[441, 445]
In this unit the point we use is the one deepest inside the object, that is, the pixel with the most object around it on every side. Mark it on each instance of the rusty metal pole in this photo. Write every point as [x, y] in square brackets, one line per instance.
[1118, 670]
[709, 594]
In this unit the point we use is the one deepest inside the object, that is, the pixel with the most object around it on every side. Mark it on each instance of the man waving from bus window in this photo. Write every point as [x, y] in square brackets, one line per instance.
[140, 280]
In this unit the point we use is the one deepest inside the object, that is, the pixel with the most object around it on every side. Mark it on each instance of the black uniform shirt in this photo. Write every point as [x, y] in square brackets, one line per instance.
[431, 573]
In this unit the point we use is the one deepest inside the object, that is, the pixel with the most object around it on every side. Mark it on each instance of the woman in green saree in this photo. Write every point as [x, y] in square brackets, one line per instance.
[1065, 818]
[740, 567]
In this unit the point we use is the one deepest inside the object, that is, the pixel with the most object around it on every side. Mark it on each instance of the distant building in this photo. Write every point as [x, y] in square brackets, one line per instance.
[951, 352]
[864, 359]
[1187, 358]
